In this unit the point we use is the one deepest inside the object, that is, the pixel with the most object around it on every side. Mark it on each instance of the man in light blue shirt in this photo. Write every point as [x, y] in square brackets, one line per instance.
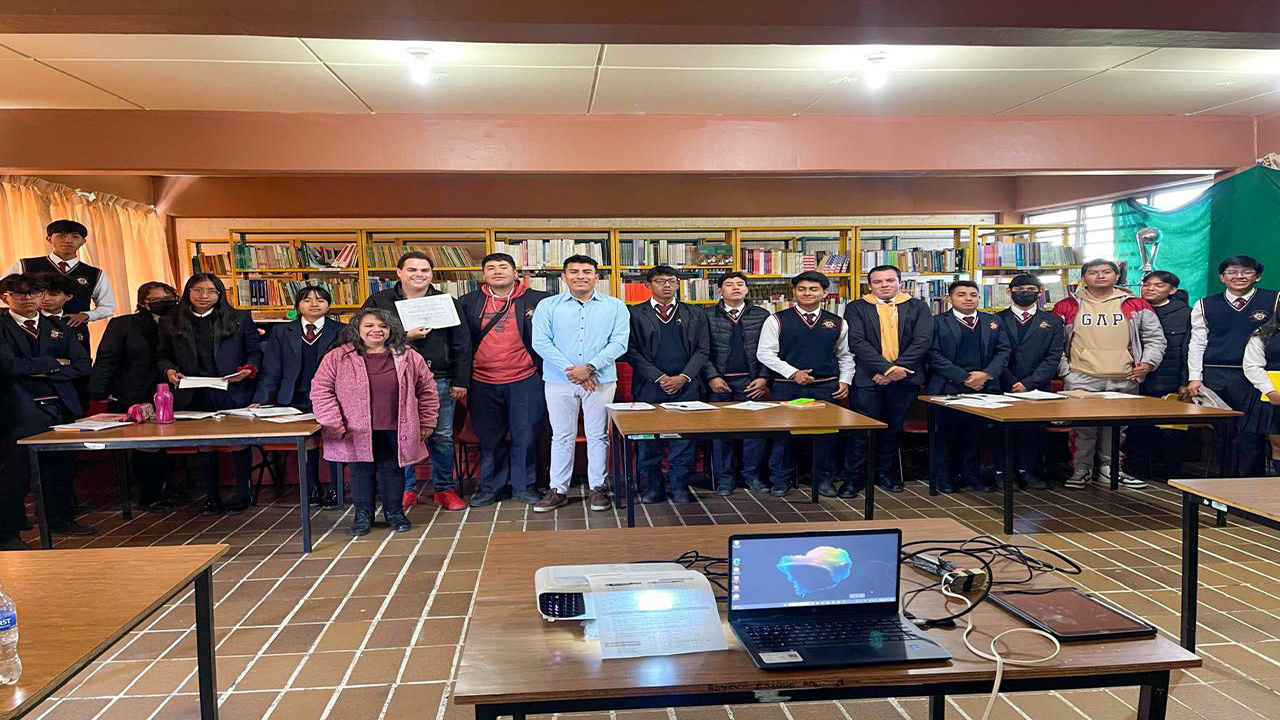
[579, 334]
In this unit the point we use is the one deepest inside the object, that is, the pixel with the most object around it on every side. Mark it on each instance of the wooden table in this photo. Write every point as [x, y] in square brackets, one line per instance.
[515, 663]
[180, 434]
[74, 604]
[1077, 412]
[820, 418]
[1256, 499]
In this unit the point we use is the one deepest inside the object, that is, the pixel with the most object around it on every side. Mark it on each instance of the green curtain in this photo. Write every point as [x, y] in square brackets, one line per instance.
[1238, 216]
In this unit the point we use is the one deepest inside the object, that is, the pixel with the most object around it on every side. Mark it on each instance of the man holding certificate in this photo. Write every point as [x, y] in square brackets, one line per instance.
[430, 319]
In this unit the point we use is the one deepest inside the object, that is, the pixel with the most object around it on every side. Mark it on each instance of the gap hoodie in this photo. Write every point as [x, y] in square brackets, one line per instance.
[1107, 337]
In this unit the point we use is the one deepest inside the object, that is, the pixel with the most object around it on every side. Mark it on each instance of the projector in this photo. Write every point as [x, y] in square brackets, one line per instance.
[563, 593]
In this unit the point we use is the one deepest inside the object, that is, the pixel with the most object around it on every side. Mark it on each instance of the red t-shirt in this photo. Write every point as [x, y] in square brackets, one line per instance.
[502, 357]
[384, 390]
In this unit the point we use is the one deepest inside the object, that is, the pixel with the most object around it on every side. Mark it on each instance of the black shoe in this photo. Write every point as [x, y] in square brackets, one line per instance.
[780, 491]
[1034, 481]
[482, 498]
[237, 507]
[13, 542]
[946, 488]
[758, 486]
[893, 486]
[528, 497]
[724, 489]
[398, 522]
[362, 523]
[328, 500]
[826, 488]
[71, 527]
[653, 496]
[159, 506]
[848, 490]
[212, 507]
[682, 496]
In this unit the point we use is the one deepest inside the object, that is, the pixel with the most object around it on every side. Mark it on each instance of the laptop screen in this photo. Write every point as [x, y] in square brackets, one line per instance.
[813, 569]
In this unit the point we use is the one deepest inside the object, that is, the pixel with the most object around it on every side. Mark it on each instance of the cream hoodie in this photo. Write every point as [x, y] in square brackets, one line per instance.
[1100, 344]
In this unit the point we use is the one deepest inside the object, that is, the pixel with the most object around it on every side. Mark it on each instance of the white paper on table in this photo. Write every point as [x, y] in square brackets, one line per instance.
[191, 381]
[988, 397]
[87, 425]
[987, 405]
[689, 405]
[751, 405]
[300, 417]
[193, 414]
[1036, 395]
[669, 613]
[431, 311]
[1112, 395]
[630, 406]
[262, 412]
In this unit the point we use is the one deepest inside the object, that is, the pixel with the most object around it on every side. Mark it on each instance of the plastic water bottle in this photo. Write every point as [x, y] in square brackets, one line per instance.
[10, 665]
[163, 400]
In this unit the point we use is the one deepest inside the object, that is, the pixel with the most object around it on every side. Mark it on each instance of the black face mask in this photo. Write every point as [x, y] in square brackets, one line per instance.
[1025, 298]
[162, 307]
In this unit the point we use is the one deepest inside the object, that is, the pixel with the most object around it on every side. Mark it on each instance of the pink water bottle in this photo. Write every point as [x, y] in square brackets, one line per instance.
[163, 401]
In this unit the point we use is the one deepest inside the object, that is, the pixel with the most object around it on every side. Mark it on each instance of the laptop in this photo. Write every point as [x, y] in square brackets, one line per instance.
[810, 599]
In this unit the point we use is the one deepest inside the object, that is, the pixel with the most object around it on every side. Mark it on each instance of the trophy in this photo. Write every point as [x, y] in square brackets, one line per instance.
[1148, 246]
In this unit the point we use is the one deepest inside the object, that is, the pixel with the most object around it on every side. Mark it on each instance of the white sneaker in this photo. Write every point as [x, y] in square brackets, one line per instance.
[1126, 480]
[1077, 482]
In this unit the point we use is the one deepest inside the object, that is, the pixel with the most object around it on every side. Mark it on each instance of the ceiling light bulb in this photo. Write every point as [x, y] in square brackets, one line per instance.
[420, 65]
[876, 74]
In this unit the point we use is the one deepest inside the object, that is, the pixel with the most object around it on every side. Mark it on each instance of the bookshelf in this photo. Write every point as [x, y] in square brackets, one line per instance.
[455, 257]
[929, 257]
[700, 256]
[771, 256]
[1046, 251]
[540, 254]
[268, 267]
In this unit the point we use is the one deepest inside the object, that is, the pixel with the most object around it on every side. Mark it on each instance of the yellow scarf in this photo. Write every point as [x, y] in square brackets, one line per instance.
[888, 315]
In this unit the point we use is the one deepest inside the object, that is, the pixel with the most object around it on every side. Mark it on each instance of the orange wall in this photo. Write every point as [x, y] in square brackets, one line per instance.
[205, 143]
[1269, 134]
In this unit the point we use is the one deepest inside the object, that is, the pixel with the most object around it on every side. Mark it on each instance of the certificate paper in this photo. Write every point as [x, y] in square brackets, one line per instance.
[432, 311]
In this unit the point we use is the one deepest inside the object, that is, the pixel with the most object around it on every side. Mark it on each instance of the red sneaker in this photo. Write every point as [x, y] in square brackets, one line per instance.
[449, 500]
[409, 500]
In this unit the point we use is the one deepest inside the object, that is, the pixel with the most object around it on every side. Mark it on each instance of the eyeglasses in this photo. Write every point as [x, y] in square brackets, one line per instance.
[1240, 273]
[26, 295]
[664, 281]
[204, 291]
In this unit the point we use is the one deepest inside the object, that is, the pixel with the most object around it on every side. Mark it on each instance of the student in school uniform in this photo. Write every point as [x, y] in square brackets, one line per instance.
[289, 362]
[667, 350]
[206, 337]
[39, 360]
[507, 398]
[890, 333]
[58, 291]
[1113, 340]
[1261, 358]
[90, 284]
[448, 353]
[124, 374]
[969, 354]
[807, 348]
[733, 373]
[1154, 452]
[1221, 325]
[1036, 338]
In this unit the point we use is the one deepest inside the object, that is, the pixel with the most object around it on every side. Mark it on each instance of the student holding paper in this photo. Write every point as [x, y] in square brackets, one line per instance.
[289, 362]
[206, 337]
[1037, 339]
[448, 353]
[39, 360]
[734, 373]
[667, 350]
[807, 348]
[969, 354]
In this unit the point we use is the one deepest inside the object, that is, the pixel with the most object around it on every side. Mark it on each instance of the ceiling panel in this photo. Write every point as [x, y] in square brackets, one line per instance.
[186, 85]
[852, 57]
[387, 52]
[962, 92]
[1138, 92]
[710, 92]
[159, 47]
[25, 83]
[1260, 105]
[7, 54]
[459, 89]
[1205, 59]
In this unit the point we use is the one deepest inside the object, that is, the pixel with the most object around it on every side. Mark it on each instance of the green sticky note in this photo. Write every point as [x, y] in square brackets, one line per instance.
[800, 401]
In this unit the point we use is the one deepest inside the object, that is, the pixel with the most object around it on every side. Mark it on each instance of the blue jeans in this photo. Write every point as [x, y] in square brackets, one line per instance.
[440, 445]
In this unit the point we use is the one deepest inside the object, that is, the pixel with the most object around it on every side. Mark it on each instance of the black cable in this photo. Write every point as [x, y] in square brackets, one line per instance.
[716, 569]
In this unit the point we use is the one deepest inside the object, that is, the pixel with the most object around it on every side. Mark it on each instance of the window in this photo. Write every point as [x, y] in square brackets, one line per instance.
[1179, 196]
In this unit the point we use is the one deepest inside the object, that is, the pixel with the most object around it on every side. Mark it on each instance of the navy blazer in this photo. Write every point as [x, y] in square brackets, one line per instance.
[18, 363]
[125, 367]
[915, 337]
[177, 351]
[945, 377]
[471, 305]
[643, 344]
[282, 360]
[1034, 361]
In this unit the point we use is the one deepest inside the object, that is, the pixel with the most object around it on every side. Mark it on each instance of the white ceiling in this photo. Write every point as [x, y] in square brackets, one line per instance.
[175, 72]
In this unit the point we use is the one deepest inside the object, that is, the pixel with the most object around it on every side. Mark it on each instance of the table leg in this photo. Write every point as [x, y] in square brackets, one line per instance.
[126, 476]
[1190, 567]
[1154, 700]
[37, 486]
[628, 481]
[937, 707]
[1115, 457]
[931, 413]
[1010, 472]
[869, 500]
[206, 667]
[813, 472]
[304, 495]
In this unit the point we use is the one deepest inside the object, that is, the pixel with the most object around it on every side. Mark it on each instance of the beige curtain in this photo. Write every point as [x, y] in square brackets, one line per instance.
[126, 238]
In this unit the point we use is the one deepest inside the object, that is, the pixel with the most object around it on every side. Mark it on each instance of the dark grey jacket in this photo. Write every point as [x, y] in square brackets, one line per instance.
[721, 329]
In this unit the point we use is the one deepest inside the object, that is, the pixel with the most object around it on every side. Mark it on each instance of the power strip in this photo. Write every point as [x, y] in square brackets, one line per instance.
[959, 579]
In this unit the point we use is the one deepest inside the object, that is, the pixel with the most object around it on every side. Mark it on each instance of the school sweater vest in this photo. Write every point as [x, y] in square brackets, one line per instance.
[968, 355]
[804, 347]
[736, 363]
[1022, 328]
[671, 356]
[1230, 329]
[310, 363]
[84, 277]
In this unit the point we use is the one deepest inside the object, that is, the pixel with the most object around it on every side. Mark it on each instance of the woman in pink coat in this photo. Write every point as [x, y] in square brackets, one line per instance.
[377, 402]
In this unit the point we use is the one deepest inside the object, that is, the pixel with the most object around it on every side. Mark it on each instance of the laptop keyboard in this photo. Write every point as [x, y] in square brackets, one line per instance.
[862, 631]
